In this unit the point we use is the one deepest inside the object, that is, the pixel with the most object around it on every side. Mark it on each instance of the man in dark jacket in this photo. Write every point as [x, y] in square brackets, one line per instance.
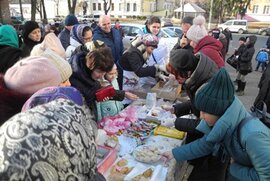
[64, 35]
[197, 69]
[113, 39]
[228, 35]
[182, 40]
[268, 43]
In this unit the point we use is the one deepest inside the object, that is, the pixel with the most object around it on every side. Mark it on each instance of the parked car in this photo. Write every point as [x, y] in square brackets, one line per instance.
[58, 18]
[264, 31]
[132, 30]
[165, 22]
[176, 29]
[238, 25]
[16, 19]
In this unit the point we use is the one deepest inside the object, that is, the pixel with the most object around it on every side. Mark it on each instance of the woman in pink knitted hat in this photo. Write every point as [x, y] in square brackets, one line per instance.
[22, 80]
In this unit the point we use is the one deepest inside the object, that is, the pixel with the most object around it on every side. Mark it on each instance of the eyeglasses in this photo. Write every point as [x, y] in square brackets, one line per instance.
[88, 39]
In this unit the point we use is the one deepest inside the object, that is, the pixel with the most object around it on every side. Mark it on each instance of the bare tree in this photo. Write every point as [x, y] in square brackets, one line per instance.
[72, 6]
[107, 5]
[4, 12]
[42, 4]
[57, 6]
[21, 10]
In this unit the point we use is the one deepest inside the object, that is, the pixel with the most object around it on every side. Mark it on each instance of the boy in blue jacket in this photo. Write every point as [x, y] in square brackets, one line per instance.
[221, 113]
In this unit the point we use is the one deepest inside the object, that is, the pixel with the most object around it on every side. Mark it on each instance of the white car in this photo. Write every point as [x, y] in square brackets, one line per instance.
[237, 25]
[176, 29]
[132, 30]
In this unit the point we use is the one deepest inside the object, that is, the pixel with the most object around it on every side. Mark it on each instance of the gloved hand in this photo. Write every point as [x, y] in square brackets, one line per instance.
[161, 76]
[161, 68]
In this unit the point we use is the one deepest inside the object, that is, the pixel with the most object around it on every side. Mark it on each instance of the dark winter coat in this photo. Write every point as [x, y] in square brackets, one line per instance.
[112, 40]
[64, 37]
[211, 48]
[82, 80]
[132, 60]
[228, 35]
[224, 47]
[207, 168]
[177, 45]
[268, 43]
[28, 45]
[264, 86]
[245, 57]
[11, 102]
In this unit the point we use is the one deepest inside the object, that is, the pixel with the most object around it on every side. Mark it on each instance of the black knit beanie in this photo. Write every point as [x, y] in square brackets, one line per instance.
[183, 60]
[28, 27]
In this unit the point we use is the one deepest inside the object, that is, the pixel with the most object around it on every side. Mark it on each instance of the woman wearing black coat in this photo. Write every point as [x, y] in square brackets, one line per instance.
[31, 37]
[244, 63]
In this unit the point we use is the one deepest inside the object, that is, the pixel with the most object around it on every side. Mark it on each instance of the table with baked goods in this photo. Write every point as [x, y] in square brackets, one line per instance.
[131, 144]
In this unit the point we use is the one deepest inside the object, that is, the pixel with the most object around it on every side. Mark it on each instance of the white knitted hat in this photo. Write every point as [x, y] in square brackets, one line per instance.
[61, 64]
[198, 30]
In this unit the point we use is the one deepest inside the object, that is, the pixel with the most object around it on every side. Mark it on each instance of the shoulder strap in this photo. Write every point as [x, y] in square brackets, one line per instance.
[154, 58]
[239, 127]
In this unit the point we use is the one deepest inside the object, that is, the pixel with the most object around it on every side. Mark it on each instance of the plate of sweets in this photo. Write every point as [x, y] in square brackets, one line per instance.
[147, 154]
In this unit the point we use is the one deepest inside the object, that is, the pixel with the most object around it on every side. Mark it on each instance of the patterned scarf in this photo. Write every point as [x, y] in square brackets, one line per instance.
[51, 142]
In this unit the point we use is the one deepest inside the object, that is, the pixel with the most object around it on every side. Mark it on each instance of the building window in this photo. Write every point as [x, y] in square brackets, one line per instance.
[128, 7]
[99, 6]
[153, 7]
[94, 7]
[134, 7]
[119, 6]
[266, 9]
[112, 6]
[255, 9]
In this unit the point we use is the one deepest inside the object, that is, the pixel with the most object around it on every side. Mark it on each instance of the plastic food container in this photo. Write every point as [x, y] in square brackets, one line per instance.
[105, 158]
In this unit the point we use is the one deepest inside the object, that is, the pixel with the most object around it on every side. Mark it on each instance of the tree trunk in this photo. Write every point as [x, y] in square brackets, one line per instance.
[21, 10]
[71, 7]
[44, 9]
[57, 7]
[33, 9]
[105, 4]
[4, 12]
[39, 10]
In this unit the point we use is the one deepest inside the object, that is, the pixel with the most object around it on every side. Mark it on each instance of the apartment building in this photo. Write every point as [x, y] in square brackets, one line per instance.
[259, 10]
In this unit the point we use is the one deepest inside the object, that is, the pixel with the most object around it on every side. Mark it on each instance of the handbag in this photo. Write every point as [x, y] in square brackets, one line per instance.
[104, 92]
[232, 60]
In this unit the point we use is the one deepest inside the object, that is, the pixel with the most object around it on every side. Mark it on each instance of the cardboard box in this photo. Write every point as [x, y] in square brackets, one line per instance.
[170, 90]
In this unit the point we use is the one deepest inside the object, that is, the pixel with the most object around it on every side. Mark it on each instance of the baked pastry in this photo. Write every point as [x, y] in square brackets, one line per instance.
[148, 173]
[122, 163]
[147, 154]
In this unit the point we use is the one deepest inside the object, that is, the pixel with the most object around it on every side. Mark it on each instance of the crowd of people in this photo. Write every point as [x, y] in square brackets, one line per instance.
[49, 108]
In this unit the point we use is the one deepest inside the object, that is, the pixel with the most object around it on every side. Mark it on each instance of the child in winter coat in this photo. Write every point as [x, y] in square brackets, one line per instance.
[111, 107]
[229, 130]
